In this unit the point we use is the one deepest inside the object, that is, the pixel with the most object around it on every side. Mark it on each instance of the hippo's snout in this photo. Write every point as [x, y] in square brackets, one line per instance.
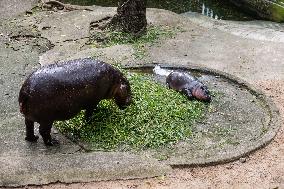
[123, 95]
[202, 93]
[129, 100]
[124, 105]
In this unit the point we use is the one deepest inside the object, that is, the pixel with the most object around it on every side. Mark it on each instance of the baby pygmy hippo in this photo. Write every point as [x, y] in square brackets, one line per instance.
[60, 91]
[188, 85]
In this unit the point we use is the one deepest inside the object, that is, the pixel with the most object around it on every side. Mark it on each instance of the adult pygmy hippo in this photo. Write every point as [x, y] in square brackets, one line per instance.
[59, 91]
[188, 85]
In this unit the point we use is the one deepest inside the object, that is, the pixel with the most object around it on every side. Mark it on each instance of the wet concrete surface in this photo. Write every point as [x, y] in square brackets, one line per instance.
[12, 8]
[202, 45]
[24, 163]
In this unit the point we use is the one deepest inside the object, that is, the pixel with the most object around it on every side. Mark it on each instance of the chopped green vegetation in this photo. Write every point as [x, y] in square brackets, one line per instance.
[157, 117]
[109, 38]
[151, 36]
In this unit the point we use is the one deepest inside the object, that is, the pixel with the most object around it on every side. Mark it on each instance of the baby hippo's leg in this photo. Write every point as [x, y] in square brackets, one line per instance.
[30, 136]
[188, 93]
[45, 130]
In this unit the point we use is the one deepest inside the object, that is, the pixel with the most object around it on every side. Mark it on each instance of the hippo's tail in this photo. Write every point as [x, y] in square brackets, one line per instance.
[23, 98]
[160, 71]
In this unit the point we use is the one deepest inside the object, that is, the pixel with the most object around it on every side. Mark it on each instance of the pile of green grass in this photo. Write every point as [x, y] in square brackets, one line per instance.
[152, 35]
[157, 117]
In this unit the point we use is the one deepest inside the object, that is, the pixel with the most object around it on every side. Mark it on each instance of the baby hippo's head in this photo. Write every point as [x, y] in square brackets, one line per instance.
[202, 93]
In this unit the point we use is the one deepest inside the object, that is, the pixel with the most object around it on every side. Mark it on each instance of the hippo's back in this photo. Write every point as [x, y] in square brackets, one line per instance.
[65, 88]
[71, 72]
[179, 80]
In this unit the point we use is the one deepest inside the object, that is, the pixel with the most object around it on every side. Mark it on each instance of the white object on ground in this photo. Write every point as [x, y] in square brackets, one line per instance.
[160, 71]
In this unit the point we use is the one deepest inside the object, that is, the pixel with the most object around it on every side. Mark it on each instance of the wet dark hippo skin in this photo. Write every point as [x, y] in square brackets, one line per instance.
[60, 91]
[188, 85]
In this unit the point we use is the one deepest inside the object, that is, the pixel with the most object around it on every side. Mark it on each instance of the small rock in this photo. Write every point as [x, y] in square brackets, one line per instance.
[46, 27]
[229, 166]
[55, 131]
[29, 12]
[242, 160]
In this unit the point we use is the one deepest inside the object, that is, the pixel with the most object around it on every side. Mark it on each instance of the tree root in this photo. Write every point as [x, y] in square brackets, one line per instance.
[56, 5]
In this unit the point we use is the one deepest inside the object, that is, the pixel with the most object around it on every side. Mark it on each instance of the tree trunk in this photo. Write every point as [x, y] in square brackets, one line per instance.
[130, 17]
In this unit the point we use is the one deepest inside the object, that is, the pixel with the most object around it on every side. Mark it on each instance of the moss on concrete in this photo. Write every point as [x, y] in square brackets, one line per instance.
[266, 9]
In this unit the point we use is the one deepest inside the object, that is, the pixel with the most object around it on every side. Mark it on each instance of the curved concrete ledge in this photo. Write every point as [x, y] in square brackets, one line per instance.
[70, 168]
[241, 150]
[23, 163]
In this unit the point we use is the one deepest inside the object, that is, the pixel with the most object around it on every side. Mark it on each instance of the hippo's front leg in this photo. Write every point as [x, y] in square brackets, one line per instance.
[45, 130]
[30, 136]
[188, 93]
[90, 111]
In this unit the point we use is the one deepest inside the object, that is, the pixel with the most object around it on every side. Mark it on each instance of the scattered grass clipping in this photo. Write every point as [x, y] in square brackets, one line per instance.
[109, 38]
[157, 117]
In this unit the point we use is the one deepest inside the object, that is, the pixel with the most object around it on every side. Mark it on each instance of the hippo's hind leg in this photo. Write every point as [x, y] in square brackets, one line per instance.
[30, 136]
[45, 130]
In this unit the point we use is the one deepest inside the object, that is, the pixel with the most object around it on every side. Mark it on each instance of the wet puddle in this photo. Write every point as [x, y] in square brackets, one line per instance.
[236, 120]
